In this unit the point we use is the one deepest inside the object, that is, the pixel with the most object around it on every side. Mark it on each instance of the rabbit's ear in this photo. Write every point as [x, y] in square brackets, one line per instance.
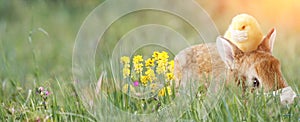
[228, 51]
[268, 41]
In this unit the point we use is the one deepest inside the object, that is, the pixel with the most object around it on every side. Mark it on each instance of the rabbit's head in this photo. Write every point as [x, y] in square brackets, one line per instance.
[255, 69]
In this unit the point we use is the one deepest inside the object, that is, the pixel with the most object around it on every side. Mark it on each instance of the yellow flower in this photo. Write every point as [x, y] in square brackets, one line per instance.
[162, 62]
[125, 60]
[171, 66]
[150, 74]
[162, 92]
[138, 68]
[170, 76]
[161, 67]
[155, 55]
[163, 56]
[149, 62]
[137, 59]
[126, 72]
[144, 80]
[125, 88]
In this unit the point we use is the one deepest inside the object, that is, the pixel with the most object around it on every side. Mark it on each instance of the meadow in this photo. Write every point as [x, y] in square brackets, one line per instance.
[37, 38]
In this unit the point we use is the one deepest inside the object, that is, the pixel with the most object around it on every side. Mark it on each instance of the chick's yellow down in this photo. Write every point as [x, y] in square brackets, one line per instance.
[244, 31]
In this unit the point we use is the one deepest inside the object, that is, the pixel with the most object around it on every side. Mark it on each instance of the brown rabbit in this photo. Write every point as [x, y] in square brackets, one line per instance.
[255, 69]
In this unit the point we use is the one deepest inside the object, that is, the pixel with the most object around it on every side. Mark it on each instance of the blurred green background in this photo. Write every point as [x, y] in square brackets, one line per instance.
[52, 26]
[37, 36]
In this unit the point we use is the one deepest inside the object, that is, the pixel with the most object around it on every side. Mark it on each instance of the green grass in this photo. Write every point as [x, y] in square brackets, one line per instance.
[24, 104]
[36, 44]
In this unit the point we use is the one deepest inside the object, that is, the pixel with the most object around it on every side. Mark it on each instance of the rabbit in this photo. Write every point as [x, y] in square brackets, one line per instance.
[254, 69]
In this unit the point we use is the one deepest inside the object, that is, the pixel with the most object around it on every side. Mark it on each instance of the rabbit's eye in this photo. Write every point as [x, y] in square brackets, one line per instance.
[255, 82]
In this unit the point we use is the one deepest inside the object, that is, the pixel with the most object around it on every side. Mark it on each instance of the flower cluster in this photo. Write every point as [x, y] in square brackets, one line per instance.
[137, 63]
[147, 72]
[43, 93]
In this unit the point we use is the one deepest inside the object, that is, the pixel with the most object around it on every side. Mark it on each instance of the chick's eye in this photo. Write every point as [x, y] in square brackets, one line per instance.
[243, 27]
[255, 82]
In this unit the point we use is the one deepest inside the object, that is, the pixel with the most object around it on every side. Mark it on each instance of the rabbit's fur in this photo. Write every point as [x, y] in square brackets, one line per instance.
[258, 68]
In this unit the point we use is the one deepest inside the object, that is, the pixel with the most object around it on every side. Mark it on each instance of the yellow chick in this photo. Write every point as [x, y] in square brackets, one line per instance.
[244, 31]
